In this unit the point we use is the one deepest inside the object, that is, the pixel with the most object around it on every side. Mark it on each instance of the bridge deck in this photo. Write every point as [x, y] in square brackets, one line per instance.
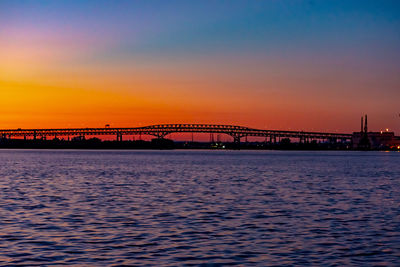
[164, 129]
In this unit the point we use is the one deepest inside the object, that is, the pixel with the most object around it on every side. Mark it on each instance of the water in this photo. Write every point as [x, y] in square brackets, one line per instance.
[116, 208]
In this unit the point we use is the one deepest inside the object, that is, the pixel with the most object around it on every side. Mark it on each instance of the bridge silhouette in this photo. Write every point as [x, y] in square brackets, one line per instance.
[162, 130]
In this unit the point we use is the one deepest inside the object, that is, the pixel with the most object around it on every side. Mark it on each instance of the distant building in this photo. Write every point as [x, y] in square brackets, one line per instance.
[377, 140]
[374, 140]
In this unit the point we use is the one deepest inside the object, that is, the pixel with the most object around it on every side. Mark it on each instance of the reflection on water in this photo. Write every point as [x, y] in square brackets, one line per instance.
[195, 207]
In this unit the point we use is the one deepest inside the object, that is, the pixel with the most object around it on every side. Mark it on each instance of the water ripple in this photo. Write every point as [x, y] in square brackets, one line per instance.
[211, 208]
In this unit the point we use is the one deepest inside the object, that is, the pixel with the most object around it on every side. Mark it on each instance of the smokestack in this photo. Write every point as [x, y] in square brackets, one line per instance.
[366, 124]
[362, 124]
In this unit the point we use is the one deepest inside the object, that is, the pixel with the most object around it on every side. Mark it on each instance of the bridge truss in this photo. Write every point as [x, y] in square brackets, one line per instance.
[162, 130]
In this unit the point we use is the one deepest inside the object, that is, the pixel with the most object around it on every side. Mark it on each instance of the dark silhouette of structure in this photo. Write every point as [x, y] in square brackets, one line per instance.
[274, 139]
[366, 140]
[161, 131]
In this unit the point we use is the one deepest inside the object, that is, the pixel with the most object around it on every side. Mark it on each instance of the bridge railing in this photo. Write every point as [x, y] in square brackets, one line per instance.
[165, 129]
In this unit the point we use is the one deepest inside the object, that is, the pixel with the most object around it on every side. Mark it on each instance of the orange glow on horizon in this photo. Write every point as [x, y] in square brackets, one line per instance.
[40, 105]
[45, 90]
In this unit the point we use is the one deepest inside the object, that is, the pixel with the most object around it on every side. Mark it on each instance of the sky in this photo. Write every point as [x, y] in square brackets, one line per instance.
[315, 65]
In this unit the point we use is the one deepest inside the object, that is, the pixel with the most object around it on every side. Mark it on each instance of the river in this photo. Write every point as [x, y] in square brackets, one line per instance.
[180, 207]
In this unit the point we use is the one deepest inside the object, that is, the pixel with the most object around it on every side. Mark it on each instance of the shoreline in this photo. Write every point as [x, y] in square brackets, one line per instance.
[167, 144]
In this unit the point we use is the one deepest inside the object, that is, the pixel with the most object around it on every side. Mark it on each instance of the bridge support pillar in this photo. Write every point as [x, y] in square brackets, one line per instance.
[236, 139]
[161, 135]
[119, 137]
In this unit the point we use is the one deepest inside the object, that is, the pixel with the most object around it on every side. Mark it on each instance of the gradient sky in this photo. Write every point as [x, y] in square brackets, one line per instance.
[306, 65]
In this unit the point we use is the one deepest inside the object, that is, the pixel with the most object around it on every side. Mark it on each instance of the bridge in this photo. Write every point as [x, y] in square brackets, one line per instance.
[162, 130]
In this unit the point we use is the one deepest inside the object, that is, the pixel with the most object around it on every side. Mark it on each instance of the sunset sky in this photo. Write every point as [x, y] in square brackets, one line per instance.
[304, 65]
